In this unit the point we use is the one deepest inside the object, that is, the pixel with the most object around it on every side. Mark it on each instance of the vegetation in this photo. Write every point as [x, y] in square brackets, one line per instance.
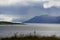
[4, 22]
[30, 37]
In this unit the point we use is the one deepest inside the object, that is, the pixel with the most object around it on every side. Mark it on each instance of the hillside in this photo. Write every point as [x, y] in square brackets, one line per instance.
[5, 22]
[44, 19]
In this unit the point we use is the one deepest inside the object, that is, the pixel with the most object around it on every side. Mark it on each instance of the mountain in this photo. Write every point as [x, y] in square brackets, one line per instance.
[44, 19]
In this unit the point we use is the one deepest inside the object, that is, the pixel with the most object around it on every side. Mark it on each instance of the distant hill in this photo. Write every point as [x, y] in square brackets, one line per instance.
[44, 19]
[5, 22]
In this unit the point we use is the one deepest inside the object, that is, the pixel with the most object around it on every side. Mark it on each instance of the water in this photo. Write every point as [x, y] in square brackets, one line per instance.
[41, 29]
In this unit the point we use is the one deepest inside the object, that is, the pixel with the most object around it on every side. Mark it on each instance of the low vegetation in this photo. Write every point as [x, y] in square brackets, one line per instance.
[8, 23]
[31, 37]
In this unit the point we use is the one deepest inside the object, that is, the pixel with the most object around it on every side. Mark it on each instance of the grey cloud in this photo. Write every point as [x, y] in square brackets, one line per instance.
[27, 12]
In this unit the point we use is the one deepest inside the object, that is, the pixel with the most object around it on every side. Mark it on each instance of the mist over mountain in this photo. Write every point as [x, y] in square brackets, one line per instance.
[44, 19]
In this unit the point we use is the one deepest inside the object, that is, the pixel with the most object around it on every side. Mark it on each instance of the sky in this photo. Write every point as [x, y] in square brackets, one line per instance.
[22, 10]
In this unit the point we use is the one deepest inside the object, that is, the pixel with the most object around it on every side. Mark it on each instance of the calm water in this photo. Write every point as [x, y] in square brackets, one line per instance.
[41, 29]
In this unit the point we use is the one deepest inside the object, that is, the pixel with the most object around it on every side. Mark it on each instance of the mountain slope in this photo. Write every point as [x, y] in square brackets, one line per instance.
[44, 19]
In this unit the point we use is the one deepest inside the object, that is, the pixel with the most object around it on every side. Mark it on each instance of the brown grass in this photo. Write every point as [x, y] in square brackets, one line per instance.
[30, 37]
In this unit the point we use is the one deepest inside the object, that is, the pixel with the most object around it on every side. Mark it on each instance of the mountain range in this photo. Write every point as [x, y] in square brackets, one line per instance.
[44, 19]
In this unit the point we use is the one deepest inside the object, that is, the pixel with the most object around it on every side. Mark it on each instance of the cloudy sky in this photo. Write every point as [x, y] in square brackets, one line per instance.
[21, 10]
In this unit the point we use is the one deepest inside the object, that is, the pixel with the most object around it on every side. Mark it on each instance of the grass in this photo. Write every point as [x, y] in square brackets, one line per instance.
[31, 37]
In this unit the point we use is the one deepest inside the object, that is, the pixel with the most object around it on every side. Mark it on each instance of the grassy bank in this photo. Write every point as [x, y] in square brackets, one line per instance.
[30, 37]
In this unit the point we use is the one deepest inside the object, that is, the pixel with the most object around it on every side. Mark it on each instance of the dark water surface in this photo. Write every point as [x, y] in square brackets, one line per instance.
[41, 29]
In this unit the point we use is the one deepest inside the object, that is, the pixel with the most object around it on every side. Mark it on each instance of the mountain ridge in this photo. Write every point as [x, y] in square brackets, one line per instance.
[44, 19]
